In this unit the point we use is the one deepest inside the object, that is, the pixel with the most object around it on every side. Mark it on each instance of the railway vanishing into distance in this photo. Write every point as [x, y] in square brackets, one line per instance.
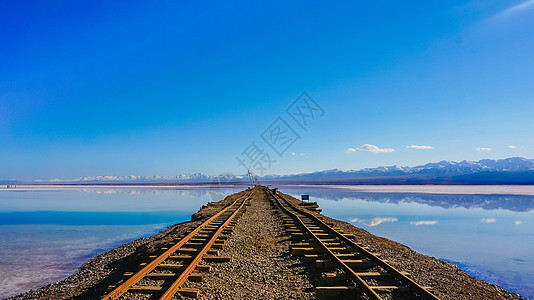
[350, 270]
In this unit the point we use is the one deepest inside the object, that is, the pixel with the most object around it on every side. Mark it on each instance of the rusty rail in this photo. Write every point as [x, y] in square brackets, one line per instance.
[183, 277]
[237, 205]
[294, 212]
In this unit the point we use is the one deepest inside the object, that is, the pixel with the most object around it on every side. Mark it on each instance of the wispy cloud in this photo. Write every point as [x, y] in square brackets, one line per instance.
[350, 150]
[488, 220]
[482, 149]
[374, 149]
[518, 222]
[374, 221]
[511, 11]
[512, 147]
[419, 147]
[419, 223]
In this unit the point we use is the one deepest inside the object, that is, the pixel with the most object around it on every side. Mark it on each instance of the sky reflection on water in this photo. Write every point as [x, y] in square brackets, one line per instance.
[489, 236]
[56, 229]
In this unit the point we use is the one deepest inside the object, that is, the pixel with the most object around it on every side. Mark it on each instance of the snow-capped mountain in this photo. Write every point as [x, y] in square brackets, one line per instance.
[514, 170]
[509, 170]
[196, 177]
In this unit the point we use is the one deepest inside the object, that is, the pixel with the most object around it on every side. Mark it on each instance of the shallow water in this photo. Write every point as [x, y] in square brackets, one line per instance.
[489, 236]
[55, 229]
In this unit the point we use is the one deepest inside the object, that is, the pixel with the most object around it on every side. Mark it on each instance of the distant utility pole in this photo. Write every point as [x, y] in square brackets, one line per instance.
[250, 178]
[254, 181]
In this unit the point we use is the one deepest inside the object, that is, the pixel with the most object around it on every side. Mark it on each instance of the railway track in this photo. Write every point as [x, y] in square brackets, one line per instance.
[355, 272]
[176, 265]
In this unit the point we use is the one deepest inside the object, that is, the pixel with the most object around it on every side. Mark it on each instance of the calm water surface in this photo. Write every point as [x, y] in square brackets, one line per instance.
[55, 229]
[489, 236]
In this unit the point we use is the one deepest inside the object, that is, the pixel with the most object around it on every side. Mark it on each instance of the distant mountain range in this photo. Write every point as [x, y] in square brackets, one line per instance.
[196, 177]
[514, 170]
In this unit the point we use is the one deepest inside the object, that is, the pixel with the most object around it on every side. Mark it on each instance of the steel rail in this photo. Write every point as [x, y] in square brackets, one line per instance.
[125, 286]
[416, 288]
[183, 277]
[357, 279]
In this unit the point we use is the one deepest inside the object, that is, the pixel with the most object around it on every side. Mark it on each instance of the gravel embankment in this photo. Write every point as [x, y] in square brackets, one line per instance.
[261, 265]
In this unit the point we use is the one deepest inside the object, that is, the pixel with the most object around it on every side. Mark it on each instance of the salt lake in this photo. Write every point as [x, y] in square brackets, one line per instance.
[488, 232]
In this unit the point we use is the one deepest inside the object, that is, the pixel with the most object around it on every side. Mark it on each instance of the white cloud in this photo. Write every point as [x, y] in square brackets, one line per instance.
[351, 150]
[488, 220]
[512, 147]
[354, 220]
[482, 149]
[518, 222]
[419, 147]
[377, 221]
[374, 149]
[418, 223]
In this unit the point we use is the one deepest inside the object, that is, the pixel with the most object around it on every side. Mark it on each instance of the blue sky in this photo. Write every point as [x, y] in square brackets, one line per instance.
[130, 87]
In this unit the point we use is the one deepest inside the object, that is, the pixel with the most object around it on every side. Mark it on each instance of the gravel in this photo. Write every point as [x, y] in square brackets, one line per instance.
[261, 266]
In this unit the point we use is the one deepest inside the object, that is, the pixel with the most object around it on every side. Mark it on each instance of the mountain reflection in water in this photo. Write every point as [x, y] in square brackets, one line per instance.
[489, 202]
